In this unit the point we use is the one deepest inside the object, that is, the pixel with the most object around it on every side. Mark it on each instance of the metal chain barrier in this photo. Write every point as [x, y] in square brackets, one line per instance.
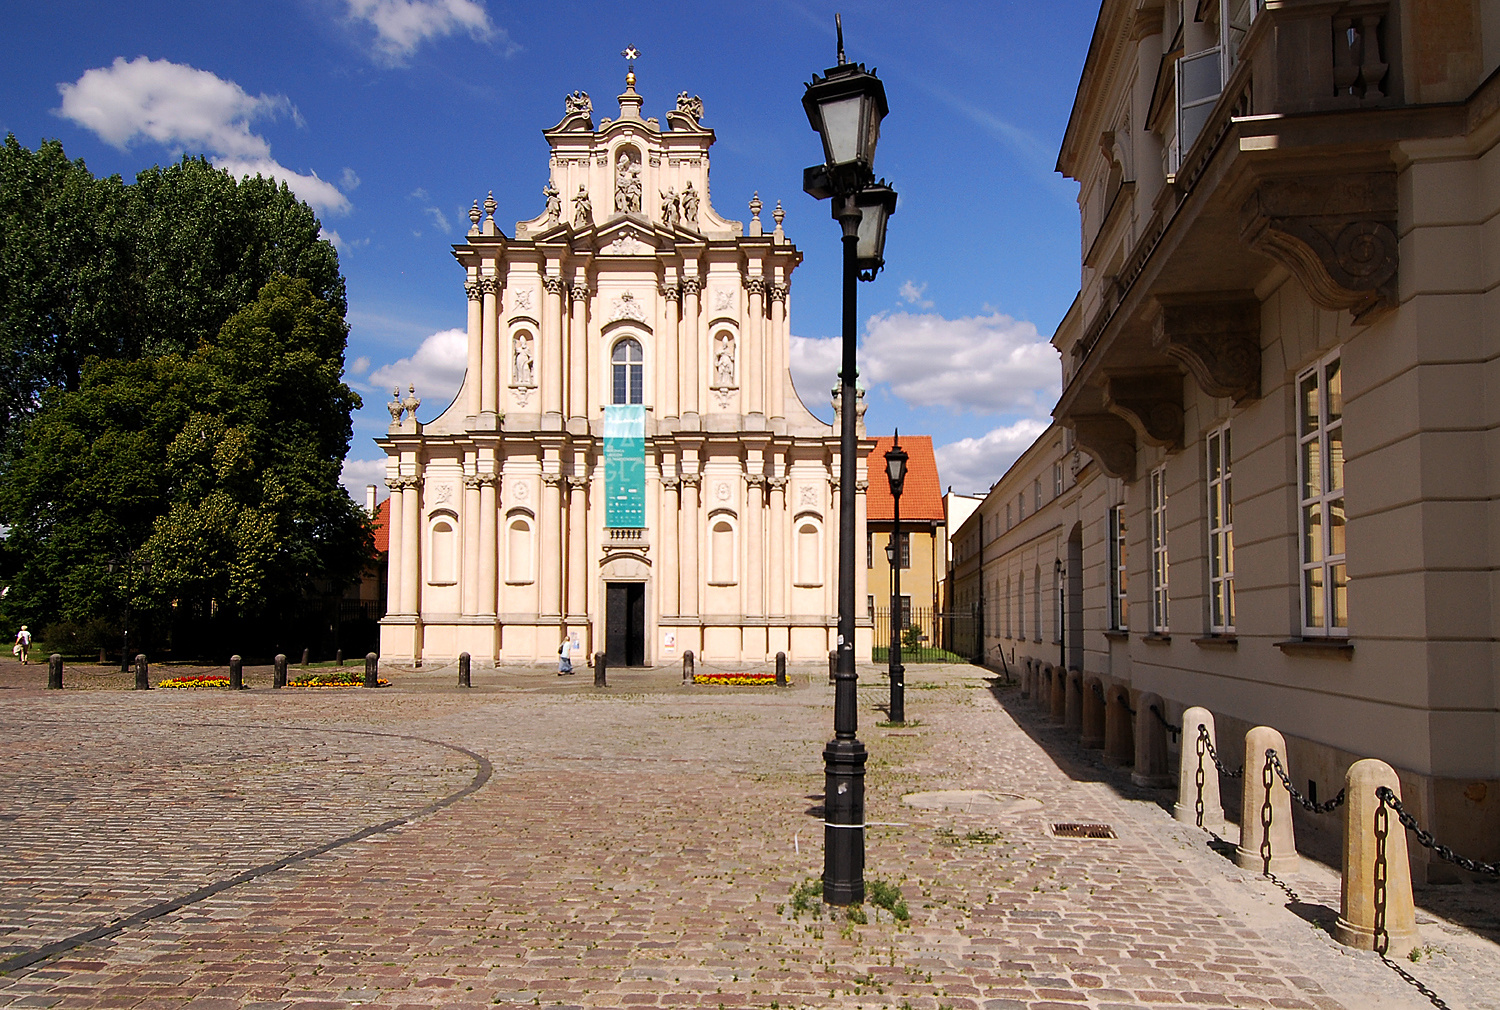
[1176, 731]
[1273, 761]
[1388, 799]
[1198, 776]
[1214, 753]
[1266, 780]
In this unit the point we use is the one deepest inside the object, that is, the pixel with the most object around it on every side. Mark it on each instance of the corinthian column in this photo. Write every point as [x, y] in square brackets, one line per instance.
[411, 538]
[778, 545]
[777, 347]
[755, 347]
[469, 586]
[689, 340]
[670, 351]
[489, 551]
[577, 554]
[489, 353]
[475, 377]
[578, 351]
[550, 546]
[395, 555]
[552, 346]
[667, 536]
[755, 544]
[687, 536]
[861, 524]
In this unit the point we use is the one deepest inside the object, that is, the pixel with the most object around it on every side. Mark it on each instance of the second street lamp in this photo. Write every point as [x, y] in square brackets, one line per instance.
[895, 472]
[845, 107]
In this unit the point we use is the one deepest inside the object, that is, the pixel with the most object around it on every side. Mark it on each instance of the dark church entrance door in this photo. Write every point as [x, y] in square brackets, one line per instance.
[625, 623]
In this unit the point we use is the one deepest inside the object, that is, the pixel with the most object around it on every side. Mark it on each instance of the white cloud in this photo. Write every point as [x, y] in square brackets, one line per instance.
[913, 294]
[358, 473]
[359, 366]
[815, 365]
[403, 25]
[971, 465]
[439, 220]
[349, 181]
[183, 108]
[991, 364]
[436, 368]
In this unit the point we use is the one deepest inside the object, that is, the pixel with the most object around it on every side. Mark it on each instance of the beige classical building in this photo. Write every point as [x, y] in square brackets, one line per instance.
[1278, 371]
[627, 463]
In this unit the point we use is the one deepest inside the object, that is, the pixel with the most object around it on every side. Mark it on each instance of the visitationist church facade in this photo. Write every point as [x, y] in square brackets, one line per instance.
[627, 464]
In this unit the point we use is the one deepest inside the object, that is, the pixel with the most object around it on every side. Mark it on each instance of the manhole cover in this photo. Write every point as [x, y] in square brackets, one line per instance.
[1083, 831]
[972, 801]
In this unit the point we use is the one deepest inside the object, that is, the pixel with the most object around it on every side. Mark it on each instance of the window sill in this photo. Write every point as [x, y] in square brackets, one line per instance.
[1331, 648]
[1116, 634]
[1217, 642]
[1157, 638]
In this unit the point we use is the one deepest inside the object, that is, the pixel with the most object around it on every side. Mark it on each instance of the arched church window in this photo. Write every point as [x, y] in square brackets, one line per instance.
[518, 550]
[721, 551]
[444, 554]
[629, 370]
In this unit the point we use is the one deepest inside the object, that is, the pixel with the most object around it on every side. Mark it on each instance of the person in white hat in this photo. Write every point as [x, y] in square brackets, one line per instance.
[23, 645]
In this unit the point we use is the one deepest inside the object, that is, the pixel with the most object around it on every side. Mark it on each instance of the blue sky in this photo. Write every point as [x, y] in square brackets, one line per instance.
[391, 116]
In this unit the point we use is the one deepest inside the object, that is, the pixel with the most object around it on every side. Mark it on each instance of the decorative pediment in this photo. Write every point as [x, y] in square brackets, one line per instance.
[1151, 403]
[1335, 233]
[623, 237]
[1217, 338]
[1110, 440]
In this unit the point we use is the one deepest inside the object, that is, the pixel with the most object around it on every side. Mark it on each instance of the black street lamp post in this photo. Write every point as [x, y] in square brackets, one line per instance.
[1062, 615]
[895, 472]
[845, 107]
[125, 565]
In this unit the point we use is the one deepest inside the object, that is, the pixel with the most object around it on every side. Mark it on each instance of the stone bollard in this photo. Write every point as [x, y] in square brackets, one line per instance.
[687, 666]
[833, 666]
[1197, 775]
[103, 659]
[1091, 733]
[1073, 702]
[338, 658]
[1044, 696]
[1374, 848]
[1058, 709]
[463, 670]
[1026, 679]
[372, 670]
[142, 674]
[54, 672]
[1119, 736]
[305, 654]
[278, 670]
[601, 670]
[781, 669]
[1254, 813]
[1153, 767]
[236, 673]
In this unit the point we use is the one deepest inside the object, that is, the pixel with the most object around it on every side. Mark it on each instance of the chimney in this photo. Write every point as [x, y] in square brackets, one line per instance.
[370, 503]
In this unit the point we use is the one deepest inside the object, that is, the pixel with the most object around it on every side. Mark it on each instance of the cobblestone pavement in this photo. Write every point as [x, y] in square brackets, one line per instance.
[633, 846]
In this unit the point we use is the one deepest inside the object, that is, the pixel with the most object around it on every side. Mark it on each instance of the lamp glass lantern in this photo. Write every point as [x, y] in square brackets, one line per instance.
[895, 468]
[845, 107]
[876, 205]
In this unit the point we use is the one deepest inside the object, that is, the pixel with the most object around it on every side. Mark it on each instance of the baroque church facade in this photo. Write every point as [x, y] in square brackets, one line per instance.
[626, 465]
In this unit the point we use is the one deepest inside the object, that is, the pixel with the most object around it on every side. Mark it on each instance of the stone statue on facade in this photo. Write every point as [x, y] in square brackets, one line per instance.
[554, 203]
[690, 107]
[724, 360]
[670, 212]
[583, 211]
[578, 102]
[689, 202]
[523, 361]
[627, 185]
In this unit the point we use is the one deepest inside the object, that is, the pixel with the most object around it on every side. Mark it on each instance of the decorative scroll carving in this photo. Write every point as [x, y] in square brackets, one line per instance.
[1110, 440]
[724, 301]
[627, 306]
[1336, 234]
[1218, 341]
[442, 494]
[1151, 402]
[777, 483]
[522, 301]
[861, 486]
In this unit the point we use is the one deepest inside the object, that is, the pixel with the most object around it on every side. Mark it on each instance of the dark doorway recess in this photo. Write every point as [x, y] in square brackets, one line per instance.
[625, 623]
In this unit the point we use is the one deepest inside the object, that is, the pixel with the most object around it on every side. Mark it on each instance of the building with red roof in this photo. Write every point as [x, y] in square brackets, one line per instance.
[924, 534]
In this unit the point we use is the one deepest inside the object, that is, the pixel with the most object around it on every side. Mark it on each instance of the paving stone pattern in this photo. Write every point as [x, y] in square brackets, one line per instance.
[636, 847]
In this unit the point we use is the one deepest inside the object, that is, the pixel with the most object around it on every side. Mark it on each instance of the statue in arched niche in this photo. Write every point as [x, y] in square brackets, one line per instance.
[523, 360]
[724, 360]
[627, 183]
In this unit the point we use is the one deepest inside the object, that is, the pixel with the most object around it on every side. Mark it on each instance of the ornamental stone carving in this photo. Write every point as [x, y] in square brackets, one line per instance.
[402, 483]
[672, 292]
[692, 285]
[552, 479]
[521, 301]
[808, 497]
[554, 285]
[1151, 401]
[628, 182]
[577, 482]
[671, 483]
[691, 479]
[489, 285]
[690, 107]
[442, 494]
[627, 306]
[524, 374]
[1335, 233]
[1217, 340]
[778, 292]
[579, 291]
[756, 286]
[578, 103]
[1110, 439]
[520, 490]
[724, 301]
[690, 205]
[583, 210]
[472, 289]
[627, 245]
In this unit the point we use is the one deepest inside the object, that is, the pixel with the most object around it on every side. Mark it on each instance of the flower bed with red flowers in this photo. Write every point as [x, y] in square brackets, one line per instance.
[197, 680]
[340, 678]
[735, 679]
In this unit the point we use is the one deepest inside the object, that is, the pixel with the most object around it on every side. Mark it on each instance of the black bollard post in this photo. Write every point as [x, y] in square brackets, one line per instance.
[305, 654]
[236, 673]
[833, 662]
[600, 671]
[372, 670]
[338, 657]
[278, 675]
[142, 679]
[687, 666]
[463, 670]
[102, 658]
[781, 669]
[54, 672]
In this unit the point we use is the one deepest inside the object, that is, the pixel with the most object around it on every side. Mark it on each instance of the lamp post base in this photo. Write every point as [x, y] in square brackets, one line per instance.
[844, 822]
[898, 693]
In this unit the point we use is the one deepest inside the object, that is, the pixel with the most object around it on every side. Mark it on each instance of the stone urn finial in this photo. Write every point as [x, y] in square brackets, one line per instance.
[490, 204]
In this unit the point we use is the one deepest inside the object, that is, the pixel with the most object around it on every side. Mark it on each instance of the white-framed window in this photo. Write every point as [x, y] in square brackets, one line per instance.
[1057, 479]
[869, 549]
[903, 542]
[1008, 522]
[1008, 626]
[1160, 600]
[1036, 604]
[1119, 599]
[1036, 495]
[1320, 452]
[628, 372]
[1021, 605]
[1020, 506]
[1220, 532]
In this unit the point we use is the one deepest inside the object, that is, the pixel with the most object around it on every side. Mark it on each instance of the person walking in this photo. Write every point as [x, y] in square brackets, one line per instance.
[23, 645]
[565, 658]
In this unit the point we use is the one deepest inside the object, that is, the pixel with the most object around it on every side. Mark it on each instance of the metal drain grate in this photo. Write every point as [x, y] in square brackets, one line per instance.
[1083, 831]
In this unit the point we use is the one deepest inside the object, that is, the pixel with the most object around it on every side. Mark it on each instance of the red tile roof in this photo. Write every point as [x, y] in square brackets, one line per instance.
[921, 494]
[383, 526]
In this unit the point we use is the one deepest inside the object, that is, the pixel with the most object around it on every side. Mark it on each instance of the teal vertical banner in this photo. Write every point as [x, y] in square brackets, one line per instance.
[625, 466]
